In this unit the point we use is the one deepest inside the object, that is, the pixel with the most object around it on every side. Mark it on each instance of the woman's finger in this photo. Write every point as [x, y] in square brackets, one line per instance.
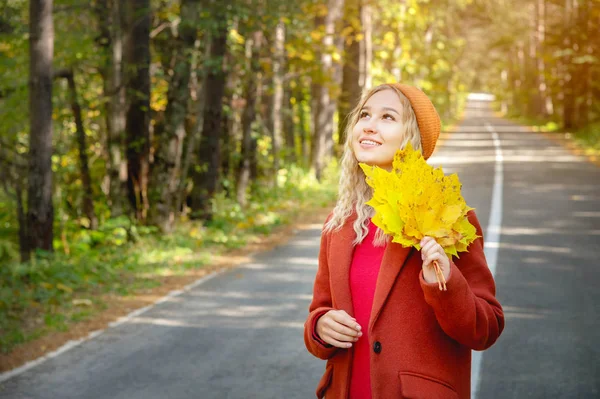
[336, 343]
[428, 247]
[343, 330]
[345, 319]
[341, 337]
[339, 328]
[425, 241]
[436, 248]
[431, 257]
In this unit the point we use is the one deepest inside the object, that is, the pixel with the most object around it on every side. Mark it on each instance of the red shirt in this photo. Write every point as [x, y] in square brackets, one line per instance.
[363, 279]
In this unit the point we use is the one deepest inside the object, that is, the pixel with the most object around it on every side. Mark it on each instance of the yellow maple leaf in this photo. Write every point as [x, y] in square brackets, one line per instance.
[415, 200]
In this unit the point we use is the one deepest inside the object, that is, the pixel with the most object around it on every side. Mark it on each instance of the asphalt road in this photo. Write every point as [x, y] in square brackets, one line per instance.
[239, 334]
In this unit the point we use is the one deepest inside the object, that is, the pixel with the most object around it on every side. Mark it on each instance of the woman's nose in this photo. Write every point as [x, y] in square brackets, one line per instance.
[369, 126]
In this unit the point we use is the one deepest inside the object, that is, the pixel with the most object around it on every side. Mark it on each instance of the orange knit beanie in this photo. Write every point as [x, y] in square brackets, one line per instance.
[427, 117]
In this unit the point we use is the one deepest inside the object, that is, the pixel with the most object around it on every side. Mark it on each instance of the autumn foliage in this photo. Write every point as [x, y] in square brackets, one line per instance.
[415, 200]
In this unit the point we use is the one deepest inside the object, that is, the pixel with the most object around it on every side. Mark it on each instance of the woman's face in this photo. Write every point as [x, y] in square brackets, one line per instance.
[378, 133]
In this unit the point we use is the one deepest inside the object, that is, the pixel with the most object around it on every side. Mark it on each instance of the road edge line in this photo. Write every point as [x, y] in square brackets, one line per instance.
[121, 320]
[492, 241]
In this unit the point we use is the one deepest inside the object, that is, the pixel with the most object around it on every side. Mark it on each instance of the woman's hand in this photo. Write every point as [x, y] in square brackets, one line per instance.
[337, 328]
[430, 251]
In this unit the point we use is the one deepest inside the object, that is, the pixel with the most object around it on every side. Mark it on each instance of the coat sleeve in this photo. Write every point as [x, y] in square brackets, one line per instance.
[321, 304]
[468, 311]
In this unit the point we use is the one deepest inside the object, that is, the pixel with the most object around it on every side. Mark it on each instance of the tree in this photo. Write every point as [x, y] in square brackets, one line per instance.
[351, 88]
[40, 210]
[206, 175]
[86, 180]
[137, 125]
[278, 96]
[252, 93]
[12, 176]
[111, 23]
[170, 136]
[167, 103]
[324, 99]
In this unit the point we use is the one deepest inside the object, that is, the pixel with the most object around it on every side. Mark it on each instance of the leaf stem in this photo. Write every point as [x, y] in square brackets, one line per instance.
[440, 276]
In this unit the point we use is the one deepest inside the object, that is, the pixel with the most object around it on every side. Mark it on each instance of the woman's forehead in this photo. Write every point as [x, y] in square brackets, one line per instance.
[384, 99]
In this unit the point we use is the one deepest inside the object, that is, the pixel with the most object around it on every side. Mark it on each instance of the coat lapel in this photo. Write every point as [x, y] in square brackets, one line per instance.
[394, 258]
[340, 258]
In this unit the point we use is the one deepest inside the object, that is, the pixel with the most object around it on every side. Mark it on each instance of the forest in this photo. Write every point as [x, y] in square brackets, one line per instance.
[139, 137]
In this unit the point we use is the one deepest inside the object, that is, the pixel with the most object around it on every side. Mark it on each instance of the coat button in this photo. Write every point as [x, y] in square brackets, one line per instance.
[377, 347]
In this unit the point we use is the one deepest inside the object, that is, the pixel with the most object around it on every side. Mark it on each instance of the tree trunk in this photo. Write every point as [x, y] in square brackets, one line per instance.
[86, 180]
[206, 176]
[366, 80]
[323, 102]
[545, 105]
[277, 109]
[568, 80]
[536, 62]
[396, 70]
[137, 123]
[522, 86]
[248, 117]
[593, 98]
[12, 173]
[196, 120]
[427, 44]
[515, 79]
[22, 218]
[40, 211]
[504, 102]
[351, 72]
[584, 75]
[110, 40]
[227, 142]
[116, 113]
[303, 121]
[288, 125]
[169, 148]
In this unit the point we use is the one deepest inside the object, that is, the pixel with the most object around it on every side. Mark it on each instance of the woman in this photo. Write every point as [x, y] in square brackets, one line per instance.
[377, 314]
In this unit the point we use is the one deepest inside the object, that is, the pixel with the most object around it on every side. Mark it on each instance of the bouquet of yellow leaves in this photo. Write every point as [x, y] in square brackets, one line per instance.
[415, 200]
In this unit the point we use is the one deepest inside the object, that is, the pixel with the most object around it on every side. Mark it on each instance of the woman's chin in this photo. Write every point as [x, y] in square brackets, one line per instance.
[366, 158]
[370, 162]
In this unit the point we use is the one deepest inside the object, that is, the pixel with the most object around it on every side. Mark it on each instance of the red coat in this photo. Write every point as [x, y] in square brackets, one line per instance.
[421, 337]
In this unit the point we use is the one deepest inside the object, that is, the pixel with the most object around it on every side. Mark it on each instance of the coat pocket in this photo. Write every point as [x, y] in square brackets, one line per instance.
[325, 380]
[419, 386]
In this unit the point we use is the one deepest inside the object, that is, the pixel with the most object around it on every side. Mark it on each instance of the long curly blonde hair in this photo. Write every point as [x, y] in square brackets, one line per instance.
[353, 189]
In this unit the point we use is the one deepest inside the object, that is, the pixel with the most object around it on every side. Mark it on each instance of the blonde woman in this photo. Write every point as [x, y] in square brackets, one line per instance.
[377, 315]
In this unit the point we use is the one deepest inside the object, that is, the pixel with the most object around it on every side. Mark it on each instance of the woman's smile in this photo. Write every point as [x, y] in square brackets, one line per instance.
[368, 144]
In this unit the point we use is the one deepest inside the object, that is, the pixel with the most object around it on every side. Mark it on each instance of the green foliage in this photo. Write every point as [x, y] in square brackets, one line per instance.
[542, 59]
[123, 257]
[586, 138]
[9, 249]
[589, 138]
[447, 50]
[420, 43]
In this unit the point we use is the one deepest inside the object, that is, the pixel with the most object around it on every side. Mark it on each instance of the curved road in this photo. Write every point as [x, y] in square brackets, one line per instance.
[239, 334]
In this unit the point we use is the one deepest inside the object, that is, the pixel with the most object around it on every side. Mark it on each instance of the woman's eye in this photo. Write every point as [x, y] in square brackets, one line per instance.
[364, 114]
[389, 117]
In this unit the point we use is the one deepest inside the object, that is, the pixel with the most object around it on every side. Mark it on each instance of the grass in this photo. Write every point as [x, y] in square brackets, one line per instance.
[587, 139]
[53, 291]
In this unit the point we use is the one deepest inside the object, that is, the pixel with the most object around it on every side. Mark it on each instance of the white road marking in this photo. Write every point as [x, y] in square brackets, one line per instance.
[492, 241]
[72, 344]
